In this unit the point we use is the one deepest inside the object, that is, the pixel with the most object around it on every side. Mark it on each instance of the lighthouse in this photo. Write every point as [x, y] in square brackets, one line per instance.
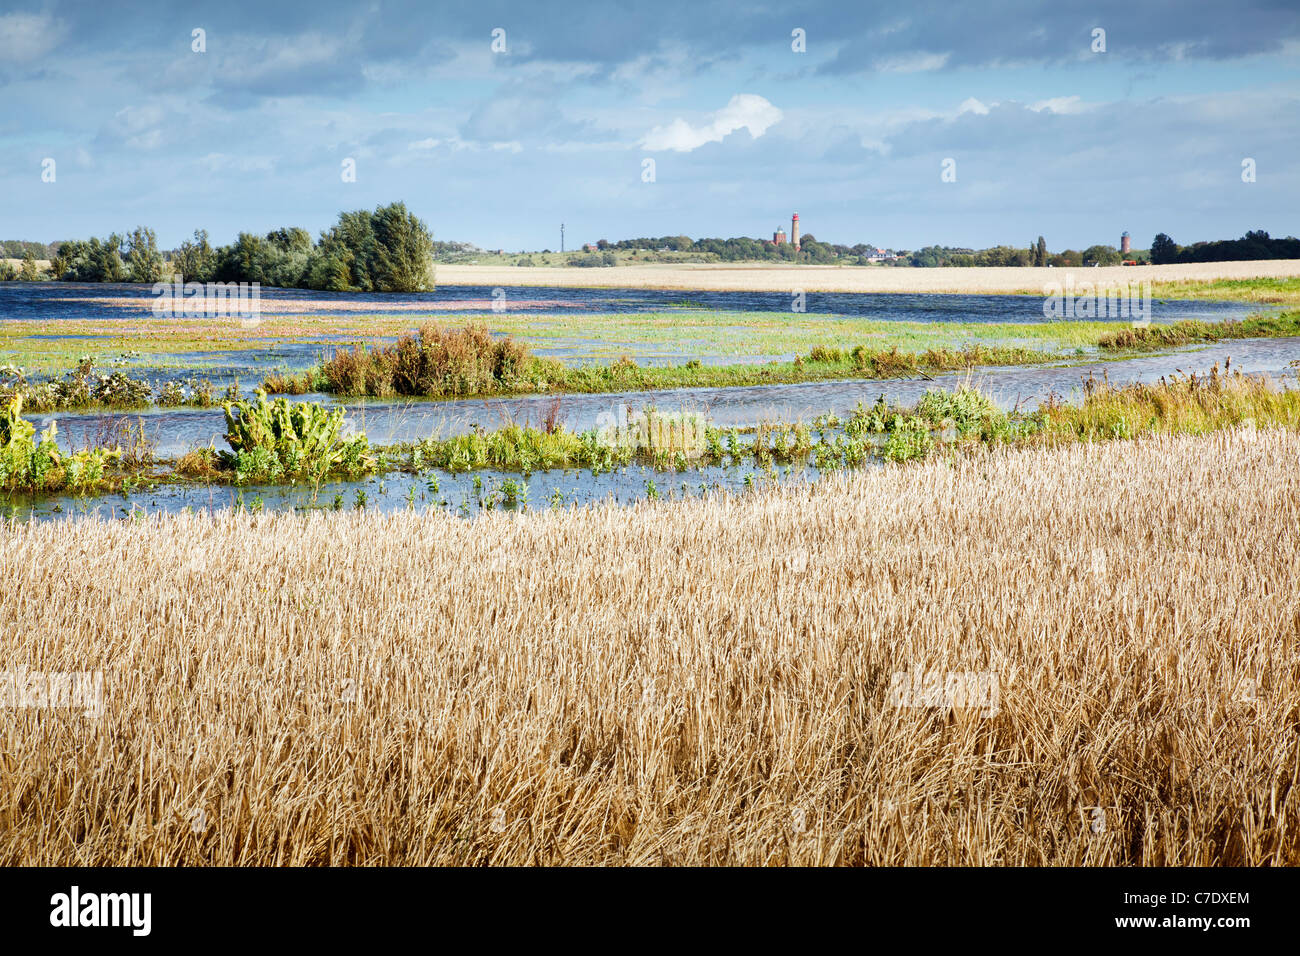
[794, 231]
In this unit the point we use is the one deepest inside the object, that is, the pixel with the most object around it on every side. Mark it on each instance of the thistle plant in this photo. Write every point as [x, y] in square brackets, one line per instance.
[276, 440]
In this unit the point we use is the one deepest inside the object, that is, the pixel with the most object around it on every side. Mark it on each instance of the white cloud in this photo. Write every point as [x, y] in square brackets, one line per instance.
[139, 127]
[27, 36]
[1059, 104]
[456, 144]
[972, 105]
[745, 110]
[913, 62]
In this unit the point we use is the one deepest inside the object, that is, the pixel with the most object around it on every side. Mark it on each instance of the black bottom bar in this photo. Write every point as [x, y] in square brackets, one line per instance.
[334, 907]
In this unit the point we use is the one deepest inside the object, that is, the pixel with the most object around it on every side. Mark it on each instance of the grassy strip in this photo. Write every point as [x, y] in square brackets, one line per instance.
[1264, 291]
[467, 363]
[206, 344]
[278, 442]
[821, 365]
[1192, 331]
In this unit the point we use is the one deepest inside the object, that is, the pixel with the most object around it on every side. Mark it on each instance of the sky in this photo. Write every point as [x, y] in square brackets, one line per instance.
[900, 124]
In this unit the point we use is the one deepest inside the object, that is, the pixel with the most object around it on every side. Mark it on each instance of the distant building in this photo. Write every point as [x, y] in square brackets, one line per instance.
[1124, 244]
[778, 237]
[794, 231]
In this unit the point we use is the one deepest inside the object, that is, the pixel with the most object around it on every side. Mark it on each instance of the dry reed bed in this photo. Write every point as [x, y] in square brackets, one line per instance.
[698, 683]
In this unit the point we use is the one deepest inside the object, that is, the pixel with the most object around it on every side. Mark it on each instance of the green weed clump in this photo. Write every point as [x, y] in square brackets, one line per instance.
[277, 440]
[513, 448]
[194, 393]
[81, 387]
[31, 464]
[966, 409]
[26, 463]
[282, 383]
[86, 386]
[909, 438]
[821, 353]
[433, 362]
[777, 442]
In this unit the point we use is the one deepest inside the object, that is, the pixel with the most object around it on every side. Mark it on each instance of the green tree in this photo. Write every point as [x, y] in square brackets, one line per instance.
[403, 256]
[1163, 249]
[194, 261]
[1102, 255]
[58, 260]
[242, 261]
[30, 271]
[143, 258]
[107, 257]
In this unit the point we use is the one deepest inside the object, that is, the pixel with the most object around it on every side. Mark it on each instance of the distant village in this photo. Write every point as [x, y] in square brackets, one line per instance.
[795, 246]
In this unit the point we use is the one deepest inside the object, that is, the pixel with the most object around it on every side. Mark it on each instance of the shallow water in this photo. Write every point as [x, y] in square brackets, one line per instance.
[68, 300]
[387, 422]
[56, 302]
[457, 494]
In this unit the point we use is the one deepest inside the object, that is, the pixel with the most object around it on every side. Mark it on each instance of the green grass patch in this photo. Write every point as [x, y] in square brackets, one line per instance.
[1191, 331]
[1281, 291]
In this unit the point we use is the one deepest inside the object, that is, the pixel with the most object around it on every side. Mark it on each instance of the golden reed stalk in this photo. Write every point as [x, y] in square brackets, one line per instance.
[703, 682]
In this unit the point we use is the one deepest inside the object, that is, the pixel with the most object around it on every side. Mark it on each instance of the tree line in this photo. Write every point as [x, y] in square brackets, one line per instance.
[388, 250]
[1035, 254]
[745, 249]
[1255, 244]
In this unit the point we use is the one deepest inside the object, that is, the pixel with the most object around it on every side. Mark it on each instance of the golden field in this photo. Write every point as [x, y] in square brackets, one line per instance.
[702, 682]
[760, 277]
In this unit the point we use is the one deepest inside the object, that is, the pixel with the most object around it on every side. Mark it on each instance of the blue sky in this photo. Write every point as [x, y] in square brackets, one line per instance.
[1047, 135]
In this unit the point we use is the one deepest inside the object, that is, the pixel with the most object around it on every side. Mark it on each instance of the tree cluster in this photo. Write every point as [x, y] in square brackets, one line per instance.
[388, 250]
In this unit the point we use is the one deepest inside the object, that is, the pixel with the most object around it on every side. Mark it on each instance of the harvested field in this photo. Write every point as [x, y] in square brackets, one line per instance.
[704, 682]
[758, 277]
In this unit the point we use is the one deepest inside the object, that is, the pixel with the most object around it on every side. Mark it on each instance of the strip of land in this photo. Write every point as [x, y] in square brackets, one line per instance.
[759, 277]
[206, 345]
